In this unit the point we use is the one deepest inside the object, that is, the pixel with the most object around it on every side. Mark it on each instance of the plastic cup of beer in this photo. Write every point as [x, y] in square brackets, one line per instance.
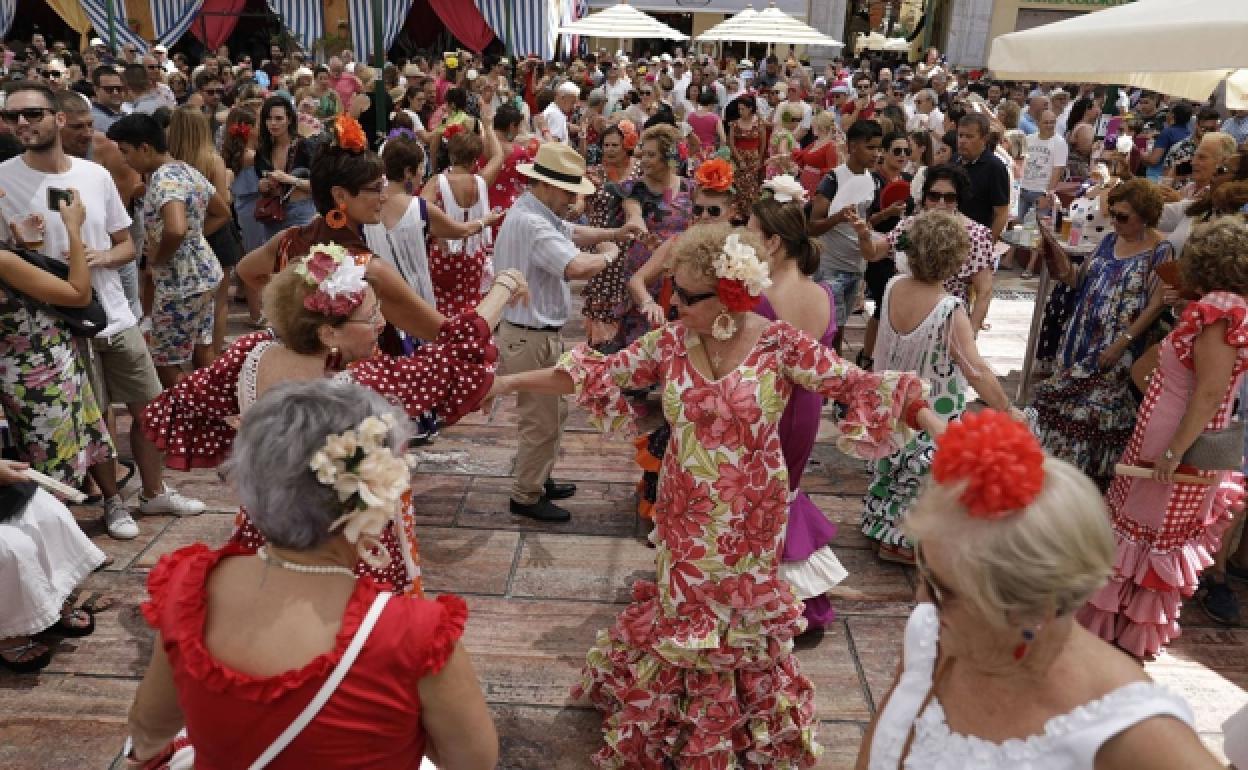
[29, 231]
[1066, 223]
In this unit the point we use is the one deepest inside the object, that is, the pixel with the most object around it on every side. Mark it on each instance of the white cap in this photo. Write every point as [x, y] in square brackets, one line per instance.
[303, 71]
[746, 63]
[471, 75]
[655, 60]
[96, 42]
[665, 57]
[568, 87]
[159, 49]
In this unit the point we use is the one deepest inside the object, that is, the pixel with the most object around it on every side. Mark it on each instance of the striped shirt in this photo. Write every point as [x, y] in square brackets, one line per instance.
[539, 244]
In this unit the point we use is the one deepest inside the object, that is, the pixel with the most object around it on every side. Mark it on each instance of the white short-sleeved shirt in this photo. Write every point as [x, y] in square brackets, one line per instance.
[27, 192]
[539, 244]
[556, 122]
[1043, 155]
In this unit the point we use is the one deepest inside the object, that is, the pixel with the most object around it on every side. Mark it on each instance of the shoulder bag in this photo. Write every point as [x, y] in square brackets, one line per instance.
[81, 321]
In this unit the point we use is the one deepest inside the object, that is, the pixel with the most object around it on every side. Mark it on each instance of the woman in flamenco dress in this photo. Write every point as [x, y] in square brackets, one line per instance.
[698, 671]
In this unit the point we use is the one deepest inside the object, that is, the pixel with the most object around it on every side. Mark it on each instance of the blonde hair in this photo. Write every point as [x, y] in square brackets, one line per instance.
[824, 121]
[666, 136]
[190, 140]
[1224, 142]
[297, 327]
[938, 246]
[1215, 257]
[698, 247]
[1051, 556]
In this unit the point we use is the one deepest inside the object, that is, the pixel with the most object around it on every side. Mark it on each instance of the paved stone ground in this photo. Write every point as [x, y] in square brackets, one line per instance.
[538, 594]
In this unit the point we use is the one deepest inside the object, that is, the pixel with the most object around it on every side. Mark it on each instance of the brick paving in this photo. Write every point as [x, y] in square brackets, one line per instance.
[538, 593]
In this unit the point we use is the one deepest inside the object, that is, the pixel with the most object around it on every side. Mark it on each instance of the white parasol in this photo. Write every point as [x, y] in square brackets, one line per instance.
[727, 25]
[1179, 47]
[622, 21]
[772, 25]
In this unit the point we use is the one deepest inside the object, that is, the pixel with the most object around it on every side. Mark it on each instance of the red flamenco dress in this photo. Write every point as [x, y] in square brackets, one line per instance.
[698, 672]
[193, 423]
[374, 716]
[1167, 534]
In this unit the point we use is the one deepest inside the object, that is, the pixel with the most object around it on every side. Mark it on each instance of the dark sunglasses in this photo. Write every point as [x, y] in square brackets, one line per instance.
[900, 151]
[711, 210]
[689, 300]
[214, 91]
[647, 93]
[1121, 217]
[113, 89]
[31, 114]
[939, 197]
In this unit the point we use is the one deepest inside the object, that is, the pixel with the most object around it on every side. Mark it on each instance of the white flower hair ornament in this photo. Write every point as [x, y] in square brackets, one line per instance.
[369, 479]
[743, 277]
[786, 189]
[339, 278]
[1124, 144]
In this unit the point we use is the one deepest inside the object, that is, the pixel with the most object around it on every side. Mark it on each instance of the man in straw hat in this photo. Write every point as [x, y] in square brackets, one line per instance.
[536, 240]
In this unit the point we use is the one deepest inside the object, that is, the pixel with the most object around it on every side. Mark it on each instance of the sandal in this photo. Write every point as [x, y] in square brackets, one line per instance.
[71, 625]
[12, 657]
[97, 602]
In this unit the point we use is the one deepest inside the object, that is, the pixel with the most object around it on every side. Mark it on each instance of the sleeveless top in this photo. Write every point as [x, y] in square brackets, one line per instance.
[248, 376]
[927, 350]
[1070, 741]
[404, 247]
[476, 211]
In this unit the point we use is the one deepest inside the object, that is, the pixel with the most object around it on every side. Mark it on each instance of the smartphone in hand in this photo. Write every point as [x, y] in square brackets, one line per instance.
[56, 195]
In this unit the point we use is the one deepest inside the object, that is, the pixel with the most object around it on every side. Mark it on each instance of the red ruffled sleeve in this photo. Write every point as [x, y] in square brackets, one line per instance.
[188, 421]
[453, 615]
[874, 425]
[599, 380]
[1209, 309]
[450, 375]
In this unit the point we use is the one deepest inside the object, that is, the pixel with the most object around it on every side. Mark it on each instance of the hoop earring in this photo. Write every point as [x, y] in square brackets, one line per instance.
[337, 218]
[724, 326]
[333, 362]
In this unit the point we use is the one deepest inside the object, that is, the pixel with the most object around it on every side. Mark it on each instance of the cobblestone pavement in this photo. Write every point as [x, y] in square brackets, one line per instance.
[538, 594]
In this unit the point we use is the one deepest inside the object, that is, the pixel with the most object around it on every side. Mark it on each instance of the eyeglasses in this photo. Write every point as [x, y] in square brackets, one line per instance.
[1121, 217]
[51, 74]
[689, 300]
[373, 318]
[939, 197]
[214, 91]
[30, 114]
[373, 189]
[899, 151]
[711, 211]
[113, 89]
[647, 93]
[152, 66]
[933, 590]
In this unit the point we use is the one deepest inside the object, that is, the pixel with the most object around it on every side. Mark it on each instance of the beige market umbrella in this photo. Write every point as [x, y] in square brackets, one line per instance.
[772, 25]
[1179, 47]
[714, 33]
[622, 21]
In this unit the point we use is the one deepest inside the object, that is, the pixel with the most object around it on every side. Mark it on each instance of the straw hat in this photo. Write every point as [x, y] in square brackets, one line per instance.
[559, 165]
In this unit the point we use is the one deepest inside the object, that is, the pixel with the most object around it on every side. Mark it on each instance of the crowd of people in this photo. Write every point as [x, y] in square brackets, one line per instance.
[406, 252]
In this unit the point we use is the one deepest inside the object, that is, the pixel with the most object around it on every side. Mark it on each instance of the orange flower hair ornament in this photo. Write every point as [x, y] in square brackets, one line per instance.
[998, 458]
[715, 174]
[349, 134]
[629, 132]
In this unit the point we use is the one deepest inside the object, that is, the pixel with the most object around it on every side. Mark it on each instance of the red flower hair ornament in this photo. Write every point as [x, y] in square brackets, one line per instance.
[998, 458]
[349, 134]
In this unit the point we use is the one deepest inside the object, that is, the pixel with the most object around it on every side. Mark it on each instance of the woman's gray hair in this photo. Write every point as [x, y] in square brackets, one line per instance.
[269, 465]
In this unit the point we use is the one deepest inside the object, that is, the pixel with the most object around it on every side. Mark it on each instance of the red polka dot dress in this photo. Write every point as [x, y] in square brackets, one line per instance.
[460, 269]
[193, 423]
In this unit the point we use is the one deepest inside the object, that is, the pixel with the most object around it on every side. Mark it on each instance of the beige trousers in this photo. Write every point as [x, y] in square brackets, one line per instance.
[540, 416]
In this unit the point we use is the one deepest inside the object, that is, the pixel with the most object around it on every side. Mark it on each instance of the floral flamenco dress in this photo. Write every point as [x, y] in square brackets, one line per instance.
[748, 177]
[1085, 415]
[51, 411]
[896, 480]
[1167, 534]
[698, 671]
[193, 422]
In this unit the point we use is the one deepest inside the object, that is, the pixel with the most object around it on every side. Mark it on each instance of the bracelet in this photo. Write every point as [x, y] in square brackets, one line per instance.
[911, 414]
[1128, 336]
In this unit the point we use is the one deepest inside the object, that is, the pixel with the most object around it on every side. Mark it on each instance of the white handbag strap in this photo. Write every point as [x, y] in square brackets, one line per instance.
[331, 684]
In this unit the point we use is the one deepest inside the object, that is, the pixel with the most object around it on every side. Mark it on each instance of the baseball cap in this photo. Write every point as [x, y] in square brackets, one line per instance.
[97, 43]
[159, 49]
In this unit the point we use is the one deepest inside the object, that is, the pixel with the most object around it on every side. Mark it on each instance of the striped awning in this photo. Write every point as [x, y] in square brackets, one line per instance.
[171, 18]
[302, 18]
[532, 24]
[394, 14]
[8, 9]
[97, 12]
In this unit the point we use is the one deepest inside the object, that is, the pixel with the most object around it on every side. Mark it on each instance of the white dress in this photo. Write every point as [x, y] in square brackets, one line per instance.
[404, 247]
[44, 556]
[1070, 741]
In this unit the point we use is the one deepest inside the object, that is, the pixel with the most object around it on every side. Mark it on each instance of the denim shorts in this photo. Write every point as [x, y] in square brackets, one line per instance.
[845, 285]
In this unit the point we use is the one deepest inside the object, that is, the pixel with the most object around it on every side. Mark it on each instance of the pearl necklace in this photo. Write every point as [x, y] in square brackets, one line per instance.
[307, 569]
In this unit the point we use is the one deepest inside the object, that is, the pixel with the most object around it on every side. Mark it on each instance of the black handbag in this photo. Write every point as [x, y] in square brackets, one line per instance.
[85, 321]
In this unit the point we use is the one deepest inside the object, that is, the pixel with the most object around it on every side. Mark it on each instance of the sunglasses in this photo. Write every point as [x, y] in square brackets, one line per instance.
[939, 197]
[31, 114]
[689, 300]
[373, 319]
[899, 151]
[113, 89]
[1121, 217]
[214, 91]
[712, 210]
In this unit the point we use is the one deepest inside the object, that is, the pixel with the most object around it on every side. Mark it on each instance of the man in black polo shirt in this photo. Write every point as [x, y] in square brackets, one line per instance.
[989, 201]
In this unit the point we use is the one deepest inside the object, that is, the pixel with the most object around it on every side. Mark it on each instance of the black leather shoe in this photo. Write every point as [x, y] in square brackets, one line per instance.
[542, 510]
[553, 491]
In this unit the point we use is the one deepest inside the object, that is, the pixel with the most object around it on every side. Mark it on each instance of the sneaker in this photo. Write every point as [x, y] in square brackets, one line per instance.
[1219, 603]
[170, 501]
[117, 520]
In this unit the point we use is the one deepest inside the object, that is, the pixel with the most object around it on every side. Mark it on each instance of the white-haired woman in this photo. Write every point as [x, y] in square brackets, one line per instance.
[245, 640]
[995, 671]
[698, 671]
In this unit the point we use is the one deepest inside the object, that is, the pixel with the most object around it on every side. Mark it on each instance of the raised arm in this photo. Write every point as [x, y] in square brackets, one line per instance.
[640, 281]
[400, 304]
[256, 268]
[42, 285]
[966, 355]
